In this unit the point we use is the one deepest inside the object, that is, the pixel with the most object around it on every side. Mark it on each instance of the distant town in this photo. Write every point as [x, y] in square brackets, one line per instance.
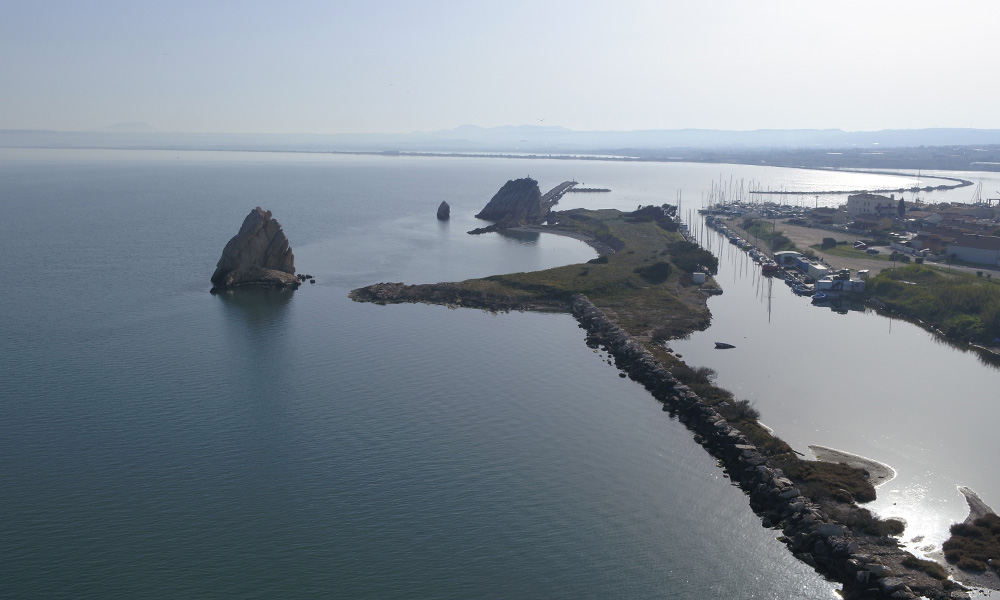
[957, 233]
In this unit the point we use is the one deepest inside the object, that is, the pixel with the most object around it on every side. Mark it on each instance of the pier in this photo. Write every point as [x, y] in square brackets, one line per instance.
[552, 197]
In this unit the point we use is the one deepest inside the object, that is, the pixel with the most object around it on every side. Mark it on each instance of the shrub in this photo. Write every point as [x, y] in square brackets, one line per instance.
[707, 374]
[961, 305]
[689, 257]
[973, 545]
[781, 242]
[655, 273]
[652, 213]
[740, 410]
[829, 480]
[828, 242]
[970, 564]
[689, 376]
[927, 566]
[861, 519]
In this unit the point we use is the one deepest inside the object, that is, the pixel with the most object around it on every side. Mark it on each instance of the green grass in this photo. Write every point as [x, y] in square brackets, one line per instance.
[646, 283]
[963, 306]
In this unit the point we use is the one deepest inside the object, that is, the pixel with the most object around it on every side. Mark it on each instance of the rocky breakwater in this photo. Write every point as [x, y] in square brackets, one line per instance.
[258, 255]
[830, 547]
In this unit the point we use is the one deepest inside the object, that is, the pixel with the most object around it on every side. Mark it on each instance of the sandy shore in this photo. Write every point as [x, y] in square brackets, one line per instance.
[977, 507]
[601, 248]
[878, 473]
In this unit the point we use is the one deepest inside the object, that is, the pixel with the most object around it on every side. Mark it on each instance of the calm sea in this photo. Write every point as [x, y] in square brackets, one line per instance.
[160, 442]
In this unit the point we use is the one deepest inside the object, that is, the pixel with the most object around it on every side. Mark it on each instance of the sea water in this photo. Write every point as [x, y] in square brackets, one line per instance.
[159, 441]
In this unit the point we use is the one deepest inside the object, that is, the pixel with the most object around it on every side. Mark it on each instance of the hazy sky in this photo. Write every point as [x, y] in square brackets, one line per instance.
[304, 66]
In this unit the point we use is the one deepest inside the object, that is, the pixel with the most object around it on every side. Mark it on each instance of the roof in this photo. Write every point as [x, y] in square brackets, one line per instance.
[980, 242]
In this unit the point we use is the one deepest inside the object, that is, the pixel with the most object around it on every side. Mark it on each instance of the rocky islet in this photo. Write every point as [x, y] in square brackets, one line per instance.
[259, 254]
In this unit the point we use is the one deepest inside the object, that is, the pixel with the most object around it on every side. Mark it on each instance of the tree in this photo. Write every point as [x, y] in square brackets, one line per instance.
[901, 209]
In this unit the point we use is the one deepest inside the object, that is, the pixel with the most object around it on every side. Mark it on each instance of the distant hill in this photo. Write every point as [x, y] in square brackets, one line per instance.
[790, 147]
[131, 127]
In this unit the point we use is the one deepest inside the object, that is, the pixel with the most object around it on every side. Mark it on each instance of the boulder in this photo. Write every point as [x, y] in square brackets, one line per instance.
[518, 202]
[258, 255]
[444, 212]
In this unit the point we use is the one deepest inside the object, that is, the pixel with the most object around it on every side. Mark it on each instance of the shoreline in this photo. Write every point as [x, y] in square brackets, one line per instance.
[977, 508]
[878, 472]
[986, 582]
[820, 521]
[601, 248]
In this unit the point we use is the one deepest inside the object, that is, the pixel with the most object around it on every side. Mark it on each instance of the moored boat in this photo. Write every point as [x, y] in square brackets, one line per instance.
[769, 267]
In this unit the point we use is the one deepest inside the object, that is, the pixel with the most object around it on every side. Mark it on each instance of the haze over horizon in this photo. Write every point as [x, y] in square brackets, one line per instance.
[398, 67]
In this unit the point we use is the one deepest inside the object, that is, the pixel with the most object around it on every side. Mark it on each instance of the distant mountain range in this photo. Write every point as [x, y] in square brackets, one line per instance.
[132, 126]
[759, 146]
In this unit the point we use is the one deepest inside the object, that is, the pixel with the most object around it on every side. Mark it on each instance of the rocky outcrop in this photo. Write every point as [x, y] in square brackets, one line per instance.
[258, 255]
[519, 202]
[444, 212]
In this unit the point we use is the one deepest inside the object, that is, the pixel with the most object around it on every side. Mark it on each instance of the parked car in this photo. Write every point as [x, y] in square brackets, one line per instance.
[871, 251]
[860, 245]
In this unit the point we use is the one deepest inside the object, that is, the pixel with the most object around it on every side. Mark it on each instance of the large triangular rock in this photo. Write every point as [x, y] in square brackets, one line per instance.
[258, 255]
[518, 202]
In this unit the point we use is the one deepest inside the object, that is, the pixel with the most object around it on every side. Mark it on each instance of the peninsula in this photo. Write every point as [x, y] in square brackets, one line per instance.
[648, 285]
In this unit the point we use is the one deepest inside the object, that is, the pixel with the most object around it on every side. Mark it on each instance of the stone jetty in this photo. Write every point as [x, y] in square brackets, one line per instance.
[830, 547]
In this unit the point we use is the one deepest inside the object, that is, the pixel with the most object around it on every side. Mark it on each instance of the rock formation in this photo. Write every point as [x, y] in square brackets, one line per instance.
[518, 202]
[444, 212]
[259, 254]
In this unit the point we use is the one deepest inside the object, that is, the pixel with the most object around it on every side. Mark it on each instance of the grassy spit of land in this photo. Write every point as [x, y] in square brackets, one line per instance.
[645, 286]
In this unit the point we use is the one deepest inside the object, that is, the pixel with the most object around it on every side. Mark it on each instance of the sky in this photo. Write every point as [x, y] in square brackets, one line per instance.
[394, 66]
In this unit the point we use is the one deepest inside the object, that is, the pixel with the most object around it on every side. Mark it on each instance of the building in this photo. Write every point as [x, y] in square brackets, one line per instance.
[871, 204]
[786, 257]
[976, 249]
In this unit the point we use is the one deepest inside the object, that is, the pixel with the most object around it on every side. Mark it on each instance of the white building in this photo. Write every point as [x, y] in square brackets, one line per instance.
[871, 204]
[976, 249]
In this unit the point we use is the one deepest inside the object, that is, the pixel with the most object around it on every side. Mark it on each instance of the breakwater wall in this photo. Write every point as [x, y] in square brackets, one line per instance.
[830, 547]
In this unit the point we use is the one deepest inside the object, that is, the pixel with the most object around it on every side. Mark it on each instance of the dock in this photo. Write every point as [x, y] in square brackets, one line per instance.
[552, 197]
